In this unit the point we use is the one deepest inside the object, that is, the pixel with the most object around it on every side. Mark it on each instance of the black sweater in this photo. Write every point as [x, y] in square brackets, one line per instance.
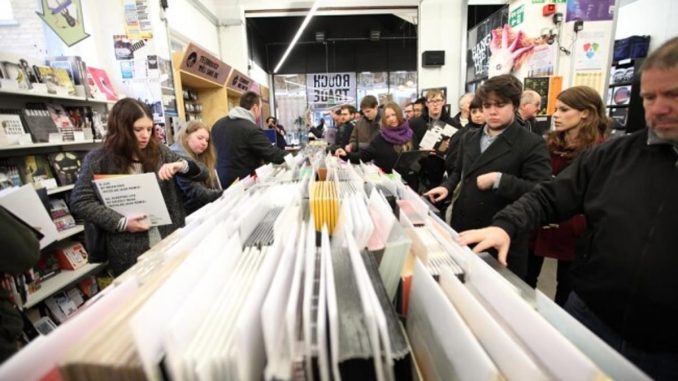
[625, 270]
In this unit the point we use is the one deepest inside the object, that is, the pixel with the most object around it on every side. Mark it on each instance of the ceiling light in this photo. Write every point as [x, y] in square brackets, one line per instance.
[320, 36]
[308, 18]
[409, 83]
[375, 35]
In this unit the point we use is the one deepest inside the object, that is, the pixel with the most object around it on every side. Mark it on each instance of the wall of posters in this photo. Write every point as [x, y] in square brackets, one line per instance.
[479, 38]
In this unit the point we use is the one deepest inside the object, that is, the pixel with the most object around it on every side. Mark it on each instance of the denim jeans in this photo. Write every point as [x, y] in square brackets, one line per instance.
[658, 365]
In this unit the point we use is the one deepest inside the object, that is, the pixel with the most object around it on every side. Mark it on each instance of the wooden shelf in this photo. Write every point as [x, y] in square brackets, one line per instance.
[60, 281]
[56, 190]
[42, 145]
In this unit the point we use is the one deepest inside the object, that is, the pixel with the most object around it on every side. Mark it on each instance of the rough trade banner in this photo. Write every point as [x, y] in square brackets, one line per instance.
[330, 89]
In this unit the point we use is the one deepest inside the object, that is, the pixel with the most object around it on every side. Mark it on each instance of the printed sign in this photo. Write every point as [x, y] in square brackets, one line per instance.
[330, 89]
[239, 82]
[204, 65]
[479, 38]
[517, 16]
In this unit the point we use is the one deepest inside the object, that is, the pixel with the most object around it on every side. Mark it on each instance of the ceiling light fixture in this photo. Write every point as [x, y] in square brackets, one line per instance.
[308, 18]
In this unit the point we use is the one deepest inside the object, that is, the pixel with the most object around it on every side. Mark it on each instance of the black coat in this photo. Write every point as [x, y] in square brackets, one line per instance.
[432, 166]
[241, 148]
[625, 269]
[523, 160]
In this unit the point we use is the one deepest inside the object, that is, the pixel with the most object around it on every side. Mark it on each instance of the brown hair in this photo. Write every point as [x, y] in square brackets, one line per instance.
[581, 98]
[506, 87]
[398, 112]
[664, 57]
[121, 144]
[369, 101]
[249, 100]
[208, 157]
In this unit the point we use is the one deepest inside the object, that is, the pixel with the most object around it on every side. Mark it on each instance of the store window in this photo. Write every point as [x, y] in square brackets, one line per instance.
[403, 86]
[373, 83]
[291, 105]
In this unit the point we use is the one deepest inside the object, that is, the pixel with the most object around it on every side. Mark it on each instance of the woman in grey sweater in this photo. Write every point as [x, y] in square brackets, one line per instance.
[129, 149]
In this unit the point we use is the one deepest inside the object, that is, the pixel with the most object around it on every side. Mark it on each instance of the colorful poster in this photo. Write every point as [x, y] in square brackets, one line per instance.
[590, 10]
[588, 52]
[65, 19]
[542, 61]
[137, 19]
[479, 38]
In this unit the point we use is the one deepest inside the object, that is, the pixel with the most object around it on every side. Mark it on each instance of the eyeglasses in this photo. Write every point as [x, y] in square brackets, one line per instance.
[435, 101]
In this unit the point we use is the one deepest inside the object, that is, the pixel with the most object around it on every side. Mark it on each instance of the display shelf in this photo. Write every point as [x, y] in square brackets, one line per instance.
[41, 95]
[42, 145]
[60, 281]
[56, 190]
[70, 232]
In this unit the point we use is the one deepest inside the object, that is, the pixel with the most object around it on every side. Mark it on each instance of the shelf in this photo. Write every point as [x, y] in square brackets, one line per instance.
[60, 281]
[621, 84]
[31, 93]
[70, 232]
[56, 190]
[41, 95]
[41, 145]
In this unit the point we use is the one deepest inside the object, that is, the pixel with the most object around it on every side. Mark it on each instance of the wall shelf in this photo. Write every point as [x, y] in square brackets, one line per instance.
[19, 147]
[60, 281]
[61, 189]
[70, 232]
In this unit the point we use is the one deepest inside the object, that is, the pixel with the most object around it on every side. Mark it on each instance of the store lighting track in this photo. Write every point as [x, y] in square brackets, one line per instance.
[308, 18]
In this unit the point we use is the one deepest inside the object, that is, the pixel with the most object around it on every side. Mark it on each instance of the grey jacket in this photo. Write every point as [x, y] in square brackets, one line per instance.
[124, 247]
[194, 194]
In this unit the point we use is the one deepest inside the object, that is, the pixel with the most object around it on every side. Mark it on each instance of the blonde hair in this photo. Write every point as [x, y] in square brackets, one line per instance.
[208, 157]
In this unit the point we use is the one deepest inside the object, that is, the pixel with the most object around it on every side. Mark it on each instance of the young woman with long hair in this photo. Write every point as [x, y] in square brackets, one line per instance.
[193, 142]
[129, 149]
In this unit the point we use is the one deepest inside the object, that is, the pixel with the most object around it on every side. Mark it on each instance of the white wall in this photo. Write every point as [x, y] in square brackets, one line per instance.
[656, 18]
[441, 28]
[191, 24]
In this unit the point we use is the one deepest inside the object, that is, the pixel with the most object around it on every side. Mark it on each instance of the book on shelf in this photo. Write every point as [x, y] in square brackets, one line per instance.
[63, 80]
[60, 306]
[60, 214]
[11, 127]
[47, 266]
[25, 204]
[88, 286]
[66, 166]
[62, 121]
[46, 76]
[103, 84]
[75, 67]
[39, 122]
[9, 174]
[71, 256]
[13, 71]
[44, 325]
[35, 170]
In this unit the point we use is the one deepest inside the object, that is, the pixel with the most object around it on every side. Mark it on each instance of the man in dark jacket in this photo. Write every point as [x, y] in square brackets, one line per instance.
[496, 165]
[367, 127]
[624, 277]
[433, 166]
[241, 146]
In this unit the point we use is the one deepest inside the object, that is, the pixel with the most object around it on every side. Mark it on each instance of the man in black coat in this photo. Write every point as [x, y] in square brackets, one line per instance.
[241, 146]
[496, 165]
[624, 274]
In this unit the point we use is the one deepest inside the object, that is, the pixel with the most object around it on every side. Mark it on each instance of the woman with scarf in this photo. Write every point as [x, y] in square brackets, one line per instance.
[387, 149]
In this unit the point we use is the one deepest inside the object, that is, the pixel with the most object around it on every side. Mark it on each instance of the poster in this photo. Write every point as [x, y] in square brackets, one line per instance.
[542, 61]
[588, 51]
[330, 89]
[590, 78]
[137, 19]
[134, 194]
[590, 10]
[479, 38]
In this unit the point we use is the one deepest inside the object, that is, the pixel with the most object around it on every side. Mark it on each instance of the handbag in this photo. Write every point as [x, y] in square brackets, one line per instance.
[95, 243]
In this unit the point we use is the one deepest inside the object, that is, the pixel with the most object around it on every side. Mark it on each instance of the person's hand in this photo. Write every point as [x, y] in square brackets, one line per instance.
[339, 152]
[437, 194]
[168, 170]
[348, 148]
[486, 238]
[503, 56]
[136, 223]
[487, 180]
